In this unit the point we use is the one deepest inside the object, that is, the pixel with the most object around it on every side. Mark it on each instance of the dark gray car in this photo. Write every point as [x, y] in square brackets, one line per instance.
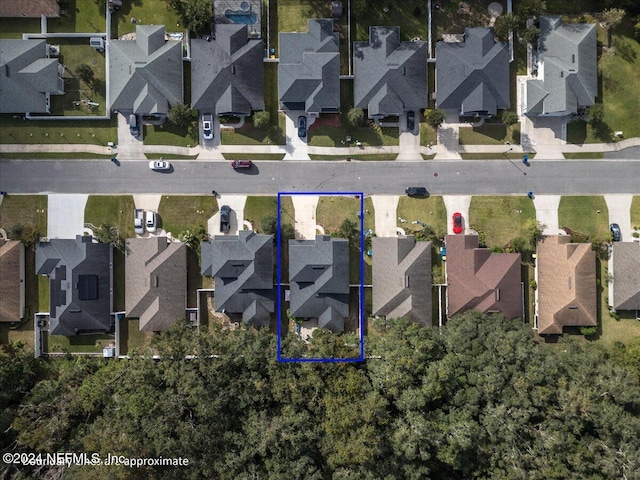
[615, 231]
[225, 213]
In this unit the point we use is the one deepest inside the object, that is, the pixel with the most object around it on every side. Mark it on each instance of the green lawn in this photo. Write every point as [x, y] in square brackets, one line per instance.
[428, 134]
[147, 12]
[15, 27]
[294, 15]
[180, 213]
[25, 210]
[48, 156]
[248, 134]
[409, 15]
[77, 344]
[374, 156]
[326, 136]
[169, 156]
[635, 211]
[82, 16]
[95, 132]
[171, 134]
[333, 210]
[253, 156]
[450, 19]
[119, 285]
[131, 338]
[429, 210]
[584, 156]
[500, 218]
[114, 209]
[490, 134]
[257, 208]
[494, 156]
[580, 214]
[43, 291]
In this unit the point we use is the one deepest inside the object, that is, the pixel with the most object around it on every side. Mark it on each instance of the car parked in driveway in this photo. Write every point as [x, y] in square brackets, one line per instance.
[241, 164]
[411, 121]
[207, 127]
[134, 129]
[457, 223]
[225, 214]
[416, 192]
[615, 231]
[159, 165]
[151, 221]
[302, 126]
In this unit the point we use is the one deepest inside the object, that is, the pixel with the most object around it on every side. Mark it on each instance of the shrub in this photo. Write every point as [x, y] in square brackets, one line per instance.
[533, 284]
[595, 114]
[355, 117]
[434, 117]
[180, 114]
[587, 331]
[509, 118]
[261, 119]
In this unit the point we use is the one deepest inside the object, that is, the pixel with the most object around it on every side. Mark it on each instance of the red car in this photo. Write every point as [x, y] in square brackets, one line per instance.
[457, 223]
[238, 164]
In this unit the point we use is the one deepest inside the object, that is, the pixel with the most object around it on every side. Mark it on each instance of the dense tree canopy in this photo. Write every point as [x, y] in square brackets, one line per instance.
[477, 399]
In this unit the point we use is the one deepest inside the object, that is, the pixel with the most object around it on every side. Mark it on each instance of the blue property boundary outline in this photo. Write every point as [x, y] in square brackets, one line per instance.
[360, 358]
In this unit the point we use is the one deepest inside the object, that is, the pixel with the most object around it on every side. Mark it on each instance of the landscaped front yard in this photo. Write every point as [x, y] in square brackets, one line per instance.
[586, 215]
[427, 210]
[171, 134]
[500, 218]
[111, 209]
[180, 213]
[94, 132]
[490, 134]
[257, 208]
[24, 210]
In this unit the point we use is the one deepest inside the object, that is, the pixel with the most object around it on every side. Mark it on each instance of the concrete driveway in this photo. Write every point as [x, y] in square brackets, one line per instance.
[305, 213]
[65, 215]
[547, 212]
[457, 203]
[209, 148]
[236, 218]
[129, 147]
[409, 141]
[296, 147]
[386, 208]
[620, 212]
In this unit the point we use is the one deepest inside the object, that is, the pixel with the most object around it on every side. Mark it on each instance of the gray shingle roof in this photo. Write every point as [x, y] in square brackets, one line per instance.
[625, 272]
[27, 75]
[309, 69]
[390, 75]
[156, 282]
[11, 280]
[402, 278]
[79, 284]
[30, 8]
[243, 270]
[473, 76]
[145, 73]
[567, 71]
[319, 278]
[227, 74]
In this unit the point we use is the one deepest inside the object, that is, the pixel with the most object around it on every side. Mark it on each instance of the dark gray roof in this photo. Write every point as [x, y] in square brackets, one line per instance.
[242, 267]
[390, 75]
[156, 282]
[625, 272]
[319, 278]
[27, 75]
[145, 73]
[227, 74]
[567, 70]
[402, 278]
[473, 76]
[309, 69]
[79, 284]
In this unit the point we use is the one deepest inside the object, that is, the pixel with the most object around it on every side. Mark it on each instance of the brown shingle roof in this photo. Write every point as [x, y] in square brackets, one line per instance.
[11, 281]
[156, 282]
[402, 278]
[566, 284]
[480, 280]
[625, 272]
[29, 8]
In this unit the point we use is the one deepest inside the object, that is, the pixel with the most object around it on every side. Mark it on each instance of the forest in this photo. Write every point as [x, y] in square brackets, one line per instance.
[479, 398]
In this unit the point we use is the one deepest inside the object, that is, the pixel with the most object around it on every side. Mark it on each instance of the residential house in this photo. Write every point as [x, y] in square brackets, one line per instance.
[624, 276]
[309, 69]
[566, 74]
[227, 74]
[319, 280]
[28, 76]
[566, 274]
[29, 8]
[472, 76]
[80, 284]
[145, 74]
[11, 281]
[242, 267]
[402, 278]
[390, 76]
[480, 280]
[156, 281]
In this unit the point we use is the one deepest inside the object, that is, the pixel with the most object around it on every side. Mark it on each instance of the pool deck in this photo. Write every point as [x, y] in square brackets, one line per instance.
[240, 8]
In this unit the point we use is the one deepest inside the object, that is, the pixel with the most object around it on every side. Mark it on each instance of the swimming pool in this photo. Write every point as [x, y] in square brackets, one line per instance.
[238, 16]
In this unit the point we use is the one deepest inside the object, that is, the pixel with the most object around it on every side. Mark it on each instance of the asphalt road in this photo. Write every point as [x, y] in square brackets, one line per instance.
[371, 177]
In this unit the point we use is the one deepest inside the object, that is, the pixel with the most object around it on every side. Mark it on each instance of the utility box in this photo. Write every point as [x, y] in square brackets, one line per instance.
[97, 43]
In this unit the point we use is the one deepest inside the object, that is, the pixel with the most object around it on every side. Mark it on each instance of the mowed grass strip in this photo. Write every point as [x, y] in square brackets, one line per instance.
[635, 211]
[500, 218]
[24, 210]
[580, 214]
[180, 213]
[333, 210]
[94, 132]
[111, 209]
[427, 210]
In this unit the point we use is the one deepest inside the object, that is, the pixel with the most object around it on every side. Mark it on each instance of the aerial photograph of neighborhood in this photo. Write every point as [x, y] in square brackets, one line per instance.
[320, 239]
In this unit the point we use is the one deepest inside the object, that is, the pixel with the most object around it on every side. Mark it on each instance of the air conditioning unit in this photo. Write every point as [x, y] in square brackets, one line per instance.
[54, 51]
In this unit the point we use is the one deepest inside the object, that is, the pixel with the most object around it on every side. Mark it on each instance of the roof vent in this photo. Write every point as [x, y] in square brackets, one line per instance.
[572, 307]
[569, 281]
[573, 58]
[497, 294]
[561, 74]
[156, 281]
[233, 69]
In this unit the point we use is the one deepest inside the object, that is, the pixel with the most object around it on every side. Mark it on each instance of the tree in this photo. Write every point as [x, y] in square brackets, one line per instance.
[609, 19]
[180, 114]
[505, 23]
[509, 117]
[196, 15]
[595, 114]
[434, 117]
[529, 8]
[350, 229]
[85, 72]
[194, 236]
[262, 119]
[530, 35]
[355, 117]
[109, 233]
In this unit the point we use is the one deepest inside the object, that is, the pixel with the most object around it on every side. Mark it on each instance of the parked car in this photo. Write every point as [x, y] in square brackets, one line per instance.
[138, 221]
[207, 127]
[239, 164]
[411, 121]
[615, 231]
[159, 165]
[302, 126]
[457, 223]
[151, 221]
[225, 213]
[416, 192]
[133, 125]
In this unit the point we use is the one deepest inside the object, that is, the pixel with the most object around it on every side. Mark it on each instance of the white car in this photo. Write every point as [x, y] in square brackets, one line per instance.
[207, 127]
[151, 221]
[159, 165]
